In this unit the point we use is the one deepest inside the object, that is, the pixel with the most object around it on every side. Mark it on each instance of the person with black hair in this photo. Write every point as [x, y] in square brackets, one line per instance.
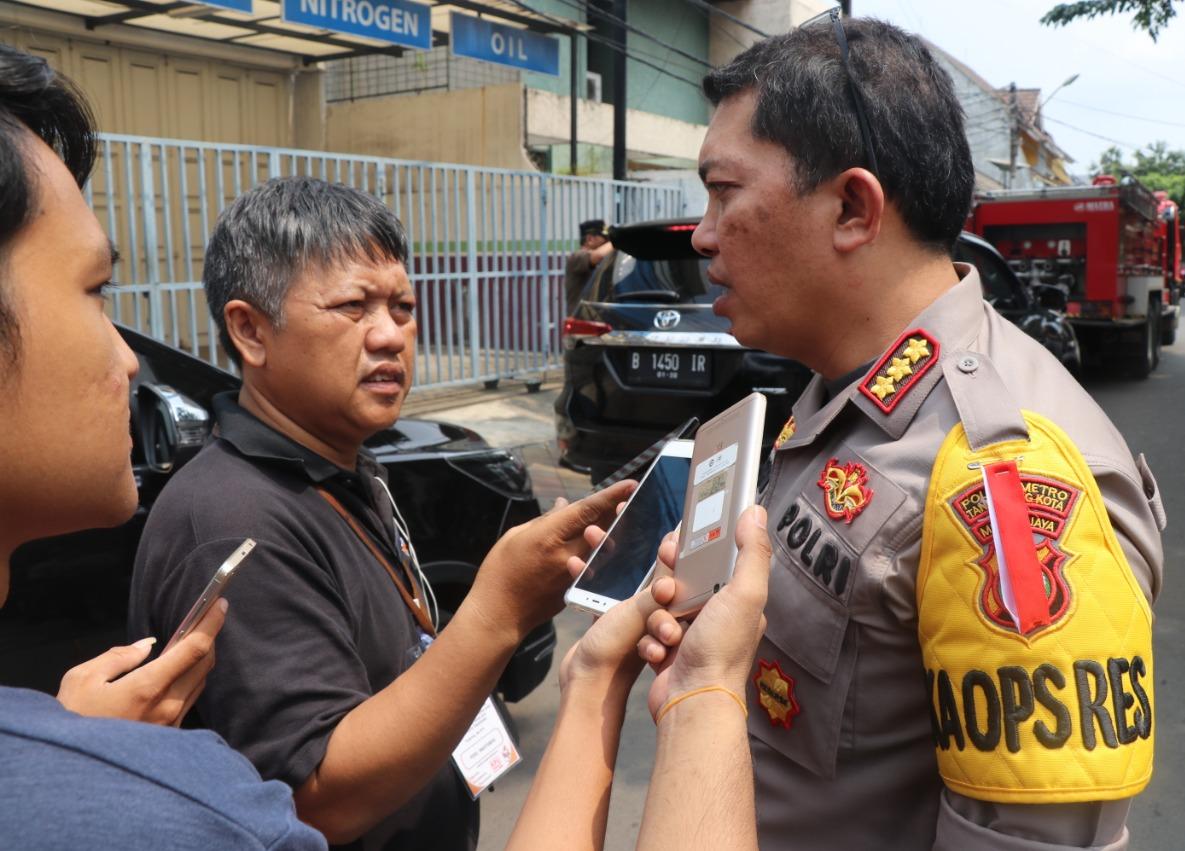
[594, 247]
[958, 650]
[71, 781]
[337, 683]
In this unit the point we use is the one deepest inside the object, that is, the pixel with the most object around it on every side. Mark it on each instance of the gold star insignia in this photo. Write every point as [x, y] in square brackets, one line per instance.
[916, 350]
[884, 386]
[899, 369]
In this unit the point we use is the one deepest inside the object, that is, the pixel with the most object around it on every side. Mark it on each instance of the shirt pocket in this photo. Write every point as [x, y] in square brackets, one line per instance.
[803, 671]
[824, 521]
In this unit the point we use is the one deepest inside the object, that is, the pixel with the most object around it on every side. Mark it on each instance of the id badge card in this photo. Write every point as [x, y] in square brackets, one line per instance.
[486, 751]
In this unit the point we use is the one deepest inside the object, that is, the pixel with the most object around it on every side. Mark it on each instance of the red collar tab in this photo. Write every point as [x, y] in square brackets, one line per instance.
[901, 367]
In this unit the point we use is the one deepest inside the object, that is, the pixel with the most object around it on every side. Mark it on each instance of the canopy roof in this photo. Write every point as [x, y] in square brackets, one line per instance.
[263, 27]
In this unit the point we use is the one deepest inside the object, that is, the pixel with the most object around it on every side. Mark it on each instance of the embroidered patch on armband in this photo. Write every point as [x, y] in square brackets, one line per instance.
[775, 693]
[900, 369]
[1050, 504]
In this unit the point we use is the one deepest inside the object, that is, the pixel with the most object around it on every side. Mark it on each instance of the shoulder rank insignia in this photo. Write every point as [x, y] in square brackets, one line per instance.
[845, 490]
[775, 693]
[785, 434]
[902, 365]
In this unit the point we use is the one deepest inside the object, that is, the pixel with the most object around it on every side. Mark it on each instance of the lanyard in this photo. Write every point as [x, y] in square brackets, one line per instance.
[409, 592]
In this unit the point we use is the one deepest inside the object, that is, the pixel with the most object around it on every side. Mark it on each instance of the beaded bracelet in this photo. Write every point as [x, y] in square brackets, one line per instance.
[674, 701]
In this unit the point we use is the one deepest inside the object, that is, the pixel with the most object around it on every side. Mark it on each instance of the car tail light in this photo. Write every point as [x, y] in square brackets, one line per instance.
[680, 228]
[1092, 309]
[574, 327]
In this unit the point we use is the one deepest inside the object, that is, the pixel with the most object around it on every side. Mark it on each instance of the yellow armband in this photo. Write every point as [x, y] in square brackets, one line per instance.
[1062, 713]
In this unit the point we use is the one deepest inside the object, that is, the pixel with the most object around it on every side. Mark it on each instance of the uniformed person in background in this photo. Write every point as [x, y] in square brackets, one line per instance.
[594, 247]
[958, 652]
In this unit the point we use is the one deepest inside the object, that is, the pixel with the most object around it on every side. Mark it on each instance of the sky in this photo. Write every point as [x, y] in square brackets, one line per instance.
[1130, 91]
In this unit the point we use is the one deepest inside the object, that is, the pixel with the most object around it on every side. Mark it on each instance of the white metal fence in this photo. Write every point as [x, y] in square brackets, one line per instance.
[488, 246]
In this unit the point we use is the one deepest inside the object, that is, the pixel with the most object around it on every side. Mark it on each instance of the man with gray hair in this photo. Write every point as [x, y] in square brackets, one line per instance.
[316, 684]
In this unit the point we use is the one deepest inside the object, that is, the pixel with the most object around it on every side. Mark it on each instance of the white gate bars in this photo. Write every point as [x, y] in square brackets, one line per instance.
[487, 246]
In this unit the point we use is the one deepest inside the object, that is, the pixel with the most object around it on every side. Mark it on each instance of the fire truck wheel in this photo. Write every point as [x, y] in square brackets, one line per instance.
[1150, 357]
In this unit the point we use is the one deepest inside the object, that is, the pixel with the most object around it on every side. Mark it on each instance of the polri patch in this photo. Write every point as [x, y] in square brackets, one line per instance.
[901, 367]
[845, 490]
[775, 693]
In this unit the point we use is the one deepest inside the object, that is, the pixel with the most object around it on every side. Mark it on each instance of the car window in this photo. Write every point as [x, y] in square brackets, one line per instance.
[686, 279]
[1000, 287]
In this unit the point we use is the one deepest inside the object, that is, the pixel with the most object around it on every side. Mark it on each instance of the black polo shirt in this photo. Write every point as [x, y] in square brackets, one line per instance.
[315, 626]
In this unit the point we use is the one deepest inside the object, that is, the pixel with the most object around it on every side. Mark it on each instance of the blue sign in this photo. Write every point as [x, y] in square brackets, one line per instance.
[235, 5]
[478, 38]
[395, 21]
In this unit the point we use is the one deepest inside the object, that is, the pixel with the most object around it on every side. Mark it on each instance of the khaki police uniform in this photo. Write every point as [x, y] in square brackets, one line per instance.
[915, 688]
[576, 271]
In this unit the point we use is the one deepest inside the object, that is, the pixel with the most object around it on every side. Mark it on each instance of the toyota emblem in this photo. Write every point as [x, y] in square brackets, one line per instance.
[665, 320]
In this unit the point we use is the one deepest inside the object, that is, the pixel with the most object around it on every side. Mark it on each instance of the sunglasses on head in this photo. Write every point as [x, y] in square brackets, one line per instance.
[857, 98]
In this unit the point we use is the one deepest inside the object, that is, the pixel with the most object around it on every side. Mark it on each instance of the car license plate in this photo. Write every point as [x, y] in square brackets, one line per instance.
[668, 368]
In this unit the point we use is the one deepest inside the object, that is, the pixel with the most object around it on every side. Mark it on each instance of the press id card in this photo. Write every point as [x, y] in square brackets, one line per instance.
[711, 483]
[486, 751]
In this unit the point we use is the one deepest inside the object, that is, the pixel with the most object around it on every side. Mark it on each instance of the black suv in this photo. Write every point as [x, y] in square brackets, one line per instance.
[69, 595]
[643, 350]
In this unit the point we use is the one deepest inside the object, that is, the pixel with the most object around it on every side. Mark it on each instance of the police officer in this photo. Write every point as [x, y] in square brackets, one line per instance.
[594, 247]
[958, 651]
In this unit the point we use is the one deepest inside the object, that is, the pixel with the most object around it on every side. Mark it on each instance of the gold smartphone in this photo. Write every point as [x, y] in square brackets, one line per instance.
[722, 485]
[214, 589]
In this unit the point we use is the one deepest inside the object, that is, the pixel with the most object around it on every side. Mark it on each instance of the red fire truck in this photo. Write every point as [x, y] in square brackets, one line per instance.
[1169, 231]
[1107, 247]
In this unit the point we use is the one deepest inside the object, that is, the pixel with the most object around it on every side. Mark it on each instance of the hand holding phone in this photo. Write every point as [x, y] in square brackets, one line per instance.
[119, 684]
[723, 484]
[716, 648]
[622, 562]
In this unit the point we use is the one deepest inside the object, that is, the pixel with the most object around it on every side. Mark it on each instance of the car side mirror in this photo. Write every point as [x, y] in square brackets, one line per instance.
[1051, 296]
[172, 426]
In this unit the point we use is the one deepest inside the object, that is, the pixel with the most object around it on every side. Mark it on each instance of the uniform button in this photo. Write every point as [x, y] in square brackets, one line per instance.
[968, 363]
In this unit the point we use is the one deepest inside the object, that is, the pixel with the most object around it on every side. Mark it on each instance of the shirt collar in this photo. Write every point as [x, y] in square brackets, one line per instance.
[254, 438]
[952, 320]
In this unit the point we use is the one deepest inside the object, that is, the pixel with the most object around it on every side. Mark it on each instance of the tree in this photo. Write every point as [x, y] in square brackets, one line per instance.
[1150, 15]
[1156, 165]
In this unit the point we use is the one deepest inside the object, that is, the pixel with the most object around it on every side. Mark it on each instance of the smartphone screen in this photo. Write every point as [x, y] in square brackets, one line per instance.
[625, 557]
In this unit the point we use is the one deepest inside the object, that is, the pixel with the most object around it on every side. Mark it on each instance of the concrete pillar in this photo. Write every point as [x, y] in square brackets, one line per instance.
[308, 109]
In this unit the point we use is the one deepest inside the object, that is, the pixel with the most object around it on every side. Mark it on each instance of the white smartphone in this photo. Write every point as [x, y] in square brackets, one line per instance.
[213, 591]
[723, 484]
[623, 561]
